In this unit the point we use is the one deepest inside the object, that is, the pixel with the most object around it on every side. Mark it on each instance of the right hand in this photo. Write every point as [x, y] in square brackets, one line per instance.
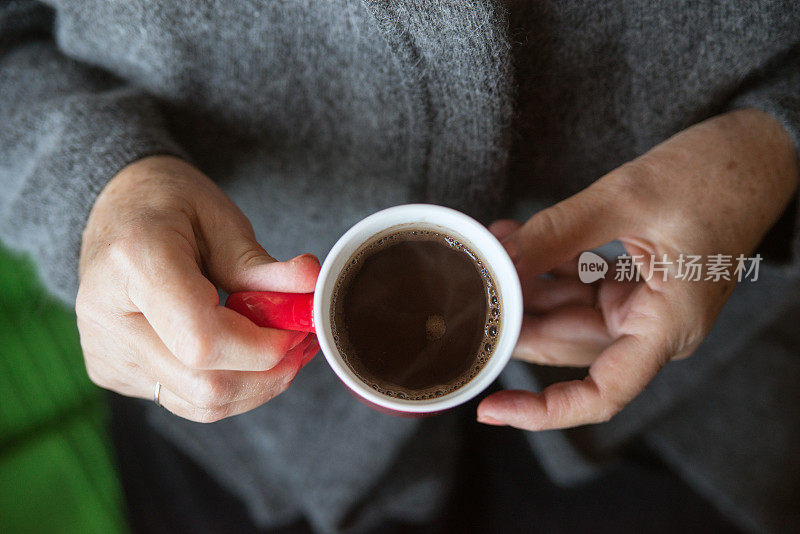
[160, 239]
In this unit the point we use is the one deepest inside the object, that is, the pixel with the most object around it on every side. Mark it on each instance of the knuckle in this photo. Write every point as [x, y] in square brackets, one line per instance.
[276, 391]
[690, 325]
[194, 346]
[280, 385]
[634, 178]
[83, 302]
[91, 312]
[250, 256]
[691, 328]
[609, 410]
[544, 356]
[633, 185]
[286, 381]
[94, 376]
[550, 220]
[208, 415]
[270, 357]
[610, 404]
[274, 353]
[208, 392]
[123, 253]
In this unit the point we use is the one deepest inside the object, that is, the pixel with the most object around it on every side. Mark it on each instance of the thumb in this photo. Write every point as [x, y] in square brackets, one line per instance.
[297, 275]
[557, 234]
[236, 262]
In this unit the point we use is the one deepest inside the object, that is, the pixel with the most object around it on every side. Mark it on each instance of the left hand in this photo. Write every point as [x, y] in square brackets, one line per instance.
[715, 188]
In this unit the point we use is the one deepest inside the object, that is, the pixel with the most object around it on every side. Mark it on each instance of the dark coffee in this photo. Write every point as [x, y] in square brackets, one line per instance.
[415, 313]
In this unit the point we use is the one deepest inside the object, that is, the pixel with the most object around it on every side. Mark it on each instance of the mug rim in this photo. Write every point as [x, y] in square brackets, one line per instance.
[490, 250]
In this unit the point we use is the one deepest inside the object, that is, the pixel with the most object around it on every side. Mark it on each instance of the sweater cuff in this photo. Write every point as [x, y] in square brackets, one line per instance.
[77, 151]
[780, 98]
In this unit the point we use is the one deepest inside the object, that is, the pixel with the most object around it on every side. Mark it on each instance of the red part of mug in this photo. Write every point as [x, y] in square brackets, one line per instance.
[286, 311]
[292, 311]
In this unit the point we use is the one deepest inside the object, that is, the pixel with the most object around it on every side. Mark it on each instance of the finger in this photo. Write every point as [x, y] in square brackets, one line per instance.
[133, 381]
[261, 273]
[236, 262]
[568, 269]
[128, 378]
[279, 379]
[541, 295]
[572, 336]
[123, 380]
[130, 381]
[614, 299]
[183, 308]
[619, 374]
[505, 227]
[311, 350]
[201, 388]
[559, 233]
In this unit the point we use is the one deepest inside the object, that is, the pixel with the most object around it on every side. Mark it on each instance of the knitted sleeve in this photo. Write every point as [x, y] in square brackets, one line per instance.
[776, 90]
[66, 128]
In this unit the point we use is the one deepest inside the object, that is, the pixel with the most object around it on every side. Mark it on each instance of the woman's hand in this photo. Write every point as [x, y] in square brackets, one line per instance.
[715, 188]
[159, 238]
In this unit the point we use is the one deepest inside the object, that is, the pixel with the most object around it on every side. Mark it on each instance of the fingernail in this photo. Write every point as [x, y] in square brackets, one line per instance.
[490, 420]
[301, 256]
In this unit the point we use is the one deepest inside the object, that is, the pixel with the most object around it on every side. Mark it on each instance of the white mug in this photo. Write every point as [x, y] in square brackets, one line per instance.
[312, 311]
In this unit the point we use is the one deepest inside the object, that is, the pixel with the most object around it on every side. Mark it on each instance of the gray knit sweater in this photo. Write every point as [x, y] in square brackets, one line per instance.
[311, 114]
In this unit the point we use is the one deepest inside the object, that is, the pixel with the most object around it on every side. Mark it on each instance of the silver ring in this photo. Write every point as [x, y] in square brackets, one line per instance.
[156, 393]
